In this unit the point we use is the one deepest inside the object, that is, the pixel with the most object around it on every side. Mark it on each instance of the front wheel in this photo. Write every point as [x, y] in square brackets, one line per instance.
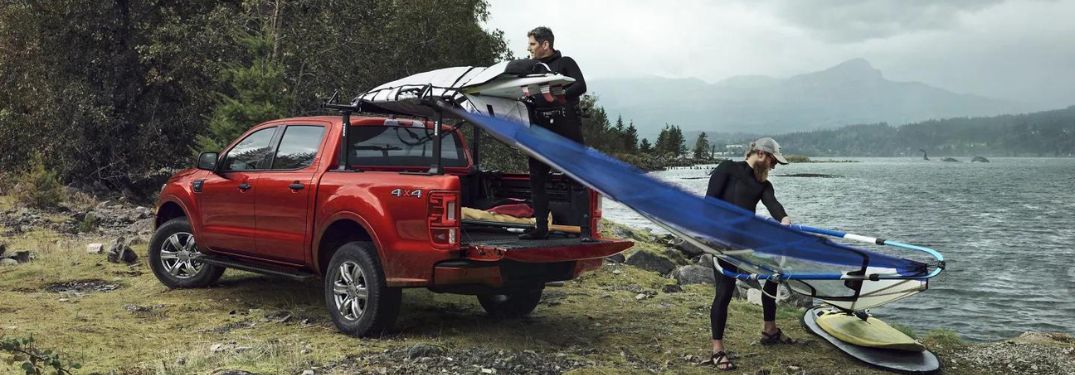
[173, 257]
[511, 304]
[356, 294]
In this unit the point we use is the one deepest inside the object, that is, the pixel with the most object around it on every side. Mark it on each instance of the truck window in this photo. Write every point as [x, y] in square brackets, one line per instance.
[250, 152]
[400, 146]
[298, 147]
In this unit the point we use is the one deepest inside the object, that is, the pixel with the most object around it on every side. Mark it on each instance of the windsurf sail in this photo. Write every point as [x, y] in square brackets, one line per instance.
[844, 276]
[771, 250]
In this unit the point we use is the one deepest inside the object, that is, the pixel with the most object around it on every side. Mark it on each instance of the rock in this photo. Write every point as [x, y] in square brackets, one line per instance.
[8, 262]
[672, 288]
[424, 350]
[95, 248]
[616, 258]
[694, 274]
[979, 159]
[641, 296]
[216, 348]
[651, 262]
[706, 260]
[23, 256]
[308, 372]
[143, 212]
[689, 249]
[120, 252]
[3, 248]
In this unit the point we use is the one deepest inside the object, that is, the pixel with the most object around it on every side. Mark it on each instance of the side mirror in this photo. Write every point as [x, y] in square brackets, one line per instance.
[208, 161]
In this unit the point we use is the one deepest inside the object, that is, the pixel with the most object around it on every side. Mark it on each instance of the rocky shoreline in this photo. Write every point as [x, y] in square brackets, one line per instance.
[123, 228]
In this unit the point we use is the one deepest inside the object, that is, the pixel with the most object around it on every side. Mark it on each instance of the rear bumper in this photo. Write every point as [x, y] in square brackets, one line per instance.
[488, 267]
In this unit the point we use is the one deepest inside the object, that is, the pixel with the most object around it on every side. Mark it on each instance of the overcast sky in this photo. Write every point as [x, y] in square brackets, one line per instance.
[1019, 50]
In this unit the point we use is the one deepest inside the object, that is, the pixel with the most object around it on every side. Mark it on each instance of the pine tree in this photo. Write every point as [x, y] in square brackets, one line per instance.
[701, 147]
[630, 139]
[645, 147]
[258, 92]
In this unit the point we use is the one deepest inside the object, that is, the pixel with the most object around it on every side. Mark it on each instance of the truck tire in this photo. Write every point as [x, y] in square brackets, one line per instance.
[173, 257]
[356, 294]
[513, 304]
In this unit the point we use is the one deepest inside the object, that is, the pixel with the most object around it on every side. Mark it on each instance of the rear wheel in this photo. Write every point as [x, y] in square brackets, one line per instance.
[511, 304]
[173, 257]
[356, 294]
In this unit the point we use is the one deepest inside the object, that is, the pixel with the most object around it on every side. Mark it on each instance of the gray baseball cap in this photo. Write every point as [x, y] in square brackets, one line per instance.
[769, 145]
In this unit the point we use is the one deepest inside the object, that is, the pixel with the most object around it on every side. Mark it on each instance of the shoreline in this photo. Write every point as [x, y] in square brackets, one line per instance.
[620, 318]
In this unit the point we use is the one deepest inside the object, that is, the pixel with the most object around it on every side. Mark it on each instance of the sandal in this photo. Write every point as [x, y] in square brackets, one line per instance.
[721, 360]
[775, 338]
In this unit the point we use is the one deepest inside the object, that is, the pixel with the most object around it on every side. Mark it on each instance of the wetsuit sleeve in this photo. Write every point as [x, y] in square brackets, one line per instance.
[571, 69]
[768, 197]
[718, 180]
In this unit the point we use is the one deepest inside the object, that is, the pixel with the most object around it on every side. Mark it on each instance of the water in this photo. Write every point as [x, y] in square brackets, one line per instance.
[1006, 228]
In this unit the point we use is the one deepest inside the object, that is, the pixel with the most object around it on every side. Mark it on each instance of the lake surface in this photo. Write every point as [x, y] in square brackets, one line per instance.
[1006, 228]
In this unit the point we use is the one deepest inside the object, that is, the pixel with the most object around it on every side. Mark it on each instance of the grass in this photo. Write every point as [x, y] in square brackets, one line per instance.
[143, 327]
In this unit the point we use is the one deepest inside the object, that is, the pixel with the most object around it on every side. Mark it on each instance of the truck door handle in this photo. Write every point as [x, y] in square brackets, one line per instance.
[295, 186]
[244, 186]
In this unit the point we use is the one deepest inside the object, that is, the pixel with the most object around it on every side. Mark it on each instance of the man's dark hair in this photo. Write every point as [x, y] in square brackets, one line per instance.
[542, 34]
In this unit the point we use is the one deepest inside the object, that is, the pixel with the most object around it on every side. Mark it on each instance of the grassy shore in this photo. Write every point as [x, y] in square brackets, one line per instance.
[113, 317]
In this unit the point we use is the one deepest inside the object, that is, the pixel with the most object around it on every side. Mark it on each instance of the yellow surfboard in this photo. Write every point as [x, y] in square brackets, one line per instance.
[871, 332]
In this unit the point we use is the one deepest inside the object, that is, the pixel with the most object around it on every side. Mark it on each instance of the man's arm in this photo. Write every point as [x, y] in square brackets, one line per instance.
[571, 69]
[776, 210]
[719, 179]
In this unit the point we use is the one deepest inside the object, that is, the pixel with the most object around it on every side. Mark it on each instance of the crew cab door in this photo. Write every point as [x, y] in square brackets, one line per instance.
[283, 200]
[226, 200]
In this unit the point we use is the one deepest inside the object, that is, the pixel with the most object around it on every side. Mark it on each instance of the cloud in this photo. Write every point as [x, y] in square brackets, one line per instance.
[1018, 49]
[855, 21]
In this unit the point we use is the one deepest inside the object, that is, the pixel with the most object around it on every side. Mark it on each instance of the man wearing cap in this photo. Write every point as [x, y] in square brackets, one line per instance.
[562, 119]
[744, 184]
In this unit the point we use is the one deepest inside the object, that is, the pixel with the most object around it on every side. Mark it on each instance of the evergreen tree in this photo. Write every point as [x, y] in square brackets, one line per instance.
[645, 147]
[630, 139]
[701, 147]
[256, 92]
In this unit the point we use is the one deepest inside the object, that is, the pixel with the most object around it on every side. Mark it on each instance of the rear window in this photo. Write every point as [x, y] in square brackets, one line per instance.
[298, 147]
[402, 146]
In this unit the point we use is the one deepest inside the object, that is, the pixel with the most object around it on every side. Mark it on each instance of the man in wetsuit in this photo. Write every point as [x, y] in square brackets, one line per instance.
[744, 184]
[560, 118]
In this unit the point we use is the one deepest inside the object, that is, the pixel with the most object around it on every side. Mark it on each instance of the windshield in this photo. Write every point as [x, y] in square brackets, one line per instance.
[401, 146]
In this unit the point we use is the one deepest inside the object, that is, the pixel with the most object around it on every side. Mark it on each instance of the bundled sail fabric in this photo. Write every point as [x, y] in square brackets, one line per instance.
[844, 276]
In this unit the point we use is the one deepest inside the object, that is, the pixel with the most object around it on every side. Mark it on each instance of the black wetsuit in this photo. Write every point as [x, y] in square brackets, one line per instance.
[563, 120]
[734, 182]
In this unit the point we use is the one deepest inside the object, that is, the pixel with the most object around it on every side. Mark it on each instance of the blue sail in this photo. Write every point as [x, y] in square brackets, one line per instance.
[708, 218]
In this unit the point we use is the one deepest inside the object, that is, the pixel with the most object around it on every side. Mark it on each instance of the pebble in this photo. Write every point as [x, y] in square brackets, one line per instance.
[640, 296]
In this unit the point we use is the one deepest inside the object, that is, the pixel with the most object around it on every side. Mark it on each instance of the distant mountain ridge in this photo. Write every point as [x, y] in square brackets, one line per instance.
[853, 92]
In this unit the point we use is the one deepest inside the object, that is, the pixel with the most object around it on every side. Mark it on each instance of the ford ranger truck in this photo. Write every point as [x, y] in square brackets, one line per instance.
[281, 200]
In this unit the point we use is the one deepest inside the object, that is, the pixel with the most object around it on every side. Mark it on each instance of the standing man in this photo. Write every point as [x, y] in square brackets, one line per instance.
[562, 119]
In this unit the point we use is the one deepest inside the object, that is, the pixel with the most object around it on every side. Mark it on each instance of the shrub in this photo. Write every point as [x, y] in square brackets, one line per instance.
[88, 223]
[34, 359]
[38, 187]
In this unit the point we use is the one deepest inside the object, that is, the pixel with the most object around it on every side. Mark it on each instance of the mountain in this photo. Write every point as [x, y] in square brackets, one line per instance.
[853, 92]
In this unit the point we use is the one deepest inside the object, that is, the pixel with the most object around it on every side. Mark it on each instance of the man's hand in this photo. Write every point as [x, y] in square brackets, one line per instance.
[786, 220]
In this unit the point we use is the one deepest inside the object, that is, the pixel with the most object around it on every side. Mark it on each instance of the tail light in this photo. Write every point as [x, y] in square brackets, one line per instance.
[443, 218]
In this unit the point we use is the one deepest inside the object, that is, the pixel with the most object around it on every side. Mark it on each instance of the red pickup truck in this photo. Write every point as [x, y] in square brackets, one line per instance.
[385, 213]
